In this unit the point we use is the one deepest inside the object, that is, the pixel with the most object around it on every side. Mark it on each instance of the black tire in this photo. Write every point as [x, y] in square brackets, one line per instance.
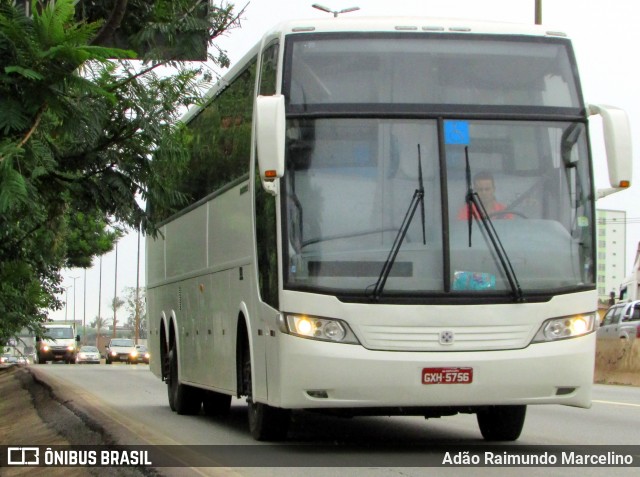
[216, 404]
[502, 423]
[42, 360]
[107, 361]
[183, 399]
[266, 423]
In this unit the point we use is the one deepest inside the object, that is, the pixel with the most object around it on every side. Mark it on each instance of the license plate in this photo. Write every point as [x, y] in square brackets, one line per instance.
[447, 375]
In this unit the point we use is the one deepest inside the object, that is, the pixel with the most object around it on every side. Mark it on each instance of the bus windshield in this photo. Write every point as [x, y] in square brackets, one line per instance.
[351, 176]
[429, 69]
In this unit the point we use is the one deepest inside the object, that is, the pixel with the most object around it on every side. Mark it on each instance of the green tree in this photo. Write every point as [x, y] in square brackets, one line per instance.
[116, 304]
[135, 304]
[86, 136]
[98, 324]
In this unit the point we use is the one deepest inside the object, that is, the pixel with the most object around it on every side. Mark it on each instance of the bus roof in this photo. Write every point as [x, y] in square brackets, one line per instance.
[410, 24]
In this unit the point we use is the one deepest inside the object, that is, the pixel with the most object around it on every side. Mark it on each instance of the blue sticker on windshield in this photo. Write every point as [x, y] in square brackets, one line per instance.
[456, 132]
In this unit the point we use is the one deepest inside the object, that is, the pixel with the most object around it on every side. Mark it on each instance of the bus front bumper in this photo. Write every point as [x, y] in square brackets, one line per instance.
[316, 374]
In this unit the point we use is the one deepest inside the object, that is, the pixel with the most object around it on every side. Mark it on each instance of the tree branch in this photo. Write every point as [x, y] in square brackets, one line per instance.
[112, 24]
[36, 123]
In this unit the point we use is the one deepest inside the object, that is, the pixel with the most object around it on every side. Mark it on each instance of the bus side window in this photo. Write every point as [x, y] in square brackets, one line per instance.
[269, 70]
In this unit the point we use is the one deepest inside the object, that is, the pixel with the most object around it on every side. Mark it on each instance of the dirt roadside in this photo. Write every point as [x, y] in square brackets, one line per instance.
[618, 362]
[32, 414]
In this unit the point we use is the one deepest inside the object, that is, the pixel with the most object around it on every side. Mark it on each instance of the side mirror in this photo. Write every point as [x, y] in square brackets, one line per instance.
[78, 338]
[617, 140]
[270, 138]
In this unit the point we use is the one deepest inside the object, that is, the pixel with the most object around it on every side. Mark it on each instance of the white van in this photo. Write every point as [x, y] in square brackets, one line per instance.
[59, 343]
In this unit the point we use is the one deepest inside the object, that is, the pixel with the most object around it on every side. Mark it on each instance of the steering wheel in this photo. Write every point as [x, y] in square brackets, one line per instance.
[502, 213]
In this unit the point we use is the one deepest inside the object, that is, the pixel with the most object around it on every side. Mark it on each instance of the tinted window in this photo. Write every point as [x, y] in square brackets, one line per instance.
[429, 69]
[269, 70]
[220, 139]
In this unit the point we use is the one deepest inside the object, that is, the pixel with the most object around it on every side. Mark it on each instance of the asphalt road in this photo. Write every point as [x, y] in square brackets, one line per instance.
[131, 403]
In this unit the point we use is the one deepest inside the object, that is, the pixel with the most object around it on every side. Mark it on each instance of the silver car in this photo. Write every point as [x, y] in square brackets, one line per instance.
[622, 321]
[88, 354]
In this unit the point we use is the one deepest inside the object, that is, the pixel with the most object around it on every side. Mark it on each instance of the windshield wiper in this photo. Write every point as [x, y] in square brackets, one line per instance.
[418, 198]
[476, 207]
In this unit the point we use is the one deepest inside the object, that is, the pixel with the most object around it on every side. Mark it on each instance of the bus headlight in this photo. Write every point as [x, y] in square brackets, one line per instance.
[565, 327]
[325, 329]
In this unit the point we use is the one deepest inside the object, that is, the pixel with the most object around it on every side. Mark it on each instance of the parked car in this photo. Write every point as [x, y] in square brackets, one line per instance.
[143, 354]
[622, 321]
[88, 354]
[121, 349]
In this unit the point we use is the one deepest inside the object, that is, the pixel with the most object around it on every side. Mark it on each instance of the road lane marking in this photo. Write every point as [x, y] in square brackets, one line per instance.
[614, 403]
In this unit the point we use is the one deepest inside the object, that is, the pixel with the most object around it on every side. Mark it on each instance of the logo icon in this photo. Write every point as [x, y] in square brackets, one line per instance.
[446, 337]
[23, 456]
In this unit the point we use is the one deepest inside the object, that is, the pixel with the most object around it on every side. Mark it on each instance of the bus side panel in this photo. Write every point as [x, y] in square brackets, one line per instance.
[230, 251]
[206, 279]
[155, 274]
[186, 239]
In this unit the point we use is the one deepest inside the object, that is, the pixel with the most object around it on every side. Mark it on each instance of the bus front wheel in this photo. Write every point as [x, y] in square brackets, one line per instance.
[501, 423]
[266, 423]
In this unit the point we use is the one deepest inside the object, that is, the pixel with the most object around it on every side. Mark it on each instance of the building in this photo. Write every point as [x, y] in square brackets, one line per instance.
[611, 243]
[630, 287]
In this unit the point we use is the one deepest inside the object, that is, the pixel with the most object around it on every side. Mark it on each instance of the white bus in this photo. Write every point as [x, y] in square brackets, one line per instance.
[389, 216]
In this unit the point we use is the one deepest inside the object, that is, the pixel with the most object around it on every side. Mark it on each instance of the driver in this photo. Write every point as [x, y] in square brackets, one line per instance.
[485, 186]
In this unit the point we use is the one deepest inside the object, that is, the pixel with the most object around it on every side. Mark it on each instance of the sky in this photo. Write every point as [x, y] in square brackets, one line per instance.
[604, 35]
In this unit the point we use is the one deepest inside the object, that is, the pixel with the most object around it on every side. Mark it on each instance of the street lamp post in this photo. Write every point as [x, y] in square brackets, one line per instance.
[99, 322]
[115, 293]
[66, 300]
[137, 319]
[538, 13]
[74, 298]
[84, 309]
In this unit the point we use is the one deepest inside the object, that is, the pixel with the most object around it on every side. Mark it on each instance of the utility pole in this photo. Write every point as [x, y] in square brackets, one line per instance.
[66, 300]
[115, 294]
[84, 310]
[538, 18]
[99, 322]
[137, 320]
[74, 299]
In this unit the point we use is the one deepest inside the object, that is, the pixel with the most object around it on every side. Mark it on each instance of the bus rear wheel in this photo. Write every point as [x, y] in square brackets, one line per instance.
[183, 399]
[216, 404]
[502, 423]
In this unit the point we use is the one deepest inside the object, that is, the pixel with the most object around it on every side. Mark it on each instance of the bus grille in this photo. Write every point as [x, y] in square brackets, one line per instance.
[442, 338]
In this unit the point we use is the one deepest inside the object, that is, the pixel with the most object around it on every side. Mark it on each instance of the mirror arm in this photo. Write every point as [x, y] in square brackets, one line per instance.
[271, 187]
